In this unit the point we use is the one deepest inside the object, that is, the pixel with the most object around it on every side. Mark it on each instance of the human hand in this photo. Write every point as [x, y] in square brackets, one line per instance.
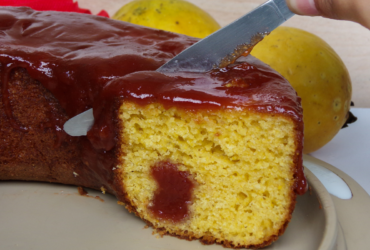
[353, 10]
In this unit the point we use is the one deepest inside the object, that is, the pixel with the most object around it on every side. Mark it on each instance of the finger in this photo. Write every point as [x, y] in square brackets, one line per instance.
[353, 10]
[303, 7]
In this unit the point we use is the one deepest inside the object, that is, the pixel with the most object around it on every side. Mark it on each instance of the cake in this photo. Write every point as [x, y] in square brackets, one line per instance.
[214, 156]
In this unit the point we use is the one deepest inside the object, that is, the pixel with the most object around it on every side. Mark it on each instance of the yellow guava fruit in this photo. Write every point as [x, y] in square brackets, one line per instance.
[171, 15]
[318, 75]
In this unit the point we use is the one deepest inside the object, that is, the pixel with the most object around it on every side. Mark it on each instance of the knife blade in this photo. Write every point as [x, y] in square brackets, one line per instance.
[217, 50]
[225, 45]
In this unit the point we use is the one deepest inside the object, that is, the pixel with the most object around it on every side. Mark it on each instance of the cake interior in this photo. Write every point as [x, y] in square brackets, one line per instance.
[240, 164]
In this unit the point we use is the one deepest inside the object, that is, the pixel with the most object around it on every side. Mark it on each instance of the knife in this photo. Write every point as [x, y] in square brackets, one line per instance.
[232, 41]
[217, 50]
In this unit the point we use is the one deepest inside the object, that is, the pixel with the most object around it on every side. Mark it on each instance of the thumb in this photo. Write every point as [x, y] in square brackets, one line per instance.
[353, 10]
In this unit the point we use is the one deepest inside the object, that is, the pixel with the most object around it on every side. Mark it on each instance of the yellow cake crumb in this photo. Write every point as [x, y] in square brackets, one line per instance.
[242, 162]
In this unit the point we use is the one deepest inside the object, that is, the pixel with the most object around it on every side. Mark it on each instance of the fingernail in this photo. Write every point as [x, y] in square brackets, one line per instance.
[303, 7]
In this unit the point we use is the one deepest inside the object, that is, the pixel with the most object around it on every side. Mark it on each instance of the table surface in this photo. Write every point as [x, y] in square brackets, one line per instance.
[350, 40]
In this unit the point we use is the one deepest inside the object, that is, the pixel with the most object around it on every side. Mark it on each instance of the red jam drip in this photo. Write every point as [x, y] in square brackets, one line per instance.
[173, 194]
[88, 61]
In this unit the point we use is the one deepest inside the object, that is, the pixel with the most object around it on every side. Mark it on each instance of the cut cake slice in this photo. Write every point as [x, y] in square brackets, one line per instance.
[212, 156]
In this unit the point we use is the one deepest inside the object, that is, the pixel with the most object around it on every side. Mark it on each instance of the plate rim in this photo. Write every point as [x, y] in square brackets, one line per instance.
[331, 227]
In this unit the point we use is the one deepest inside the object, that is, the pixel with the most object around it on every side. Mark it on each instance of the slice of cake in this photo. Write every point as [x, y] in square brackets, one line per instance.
[213, 156]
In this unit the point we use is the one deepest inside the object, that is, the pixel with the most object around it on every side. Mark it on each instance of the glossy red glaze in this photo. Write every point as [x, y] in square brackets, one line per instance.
[88, 61]
[173, 194]
[75, 55]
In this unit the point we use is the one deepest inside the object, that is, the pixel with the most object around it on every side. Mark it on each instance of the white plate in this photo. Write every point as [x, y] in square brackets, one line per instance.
[49, 216]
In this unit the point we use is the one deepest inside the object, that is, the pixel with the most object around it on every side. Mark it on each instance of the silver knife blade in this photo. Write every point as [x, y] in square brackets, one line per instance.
[243, 33]
[224, 45]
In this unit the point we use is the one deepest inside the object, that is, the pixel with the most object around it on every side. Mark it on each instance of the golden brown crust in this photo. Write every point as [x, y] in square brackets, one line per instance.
[34, 154]
[31, 155]
[117, 180]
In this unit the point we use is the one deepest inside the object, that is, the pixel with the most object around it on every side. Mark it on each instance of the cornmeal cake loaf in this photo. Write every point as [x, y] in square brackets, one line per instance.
[213, 156]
